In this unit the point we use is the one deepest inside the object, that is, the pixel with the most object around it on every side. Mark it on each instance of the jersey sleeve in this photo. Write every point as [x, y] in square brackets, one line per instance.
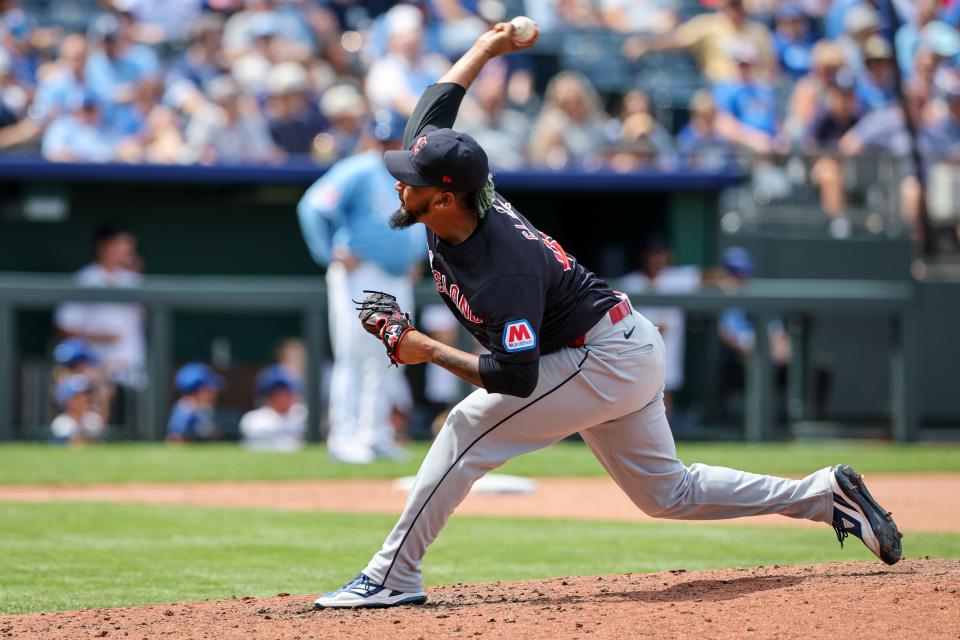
[512, 311]
[436, 109]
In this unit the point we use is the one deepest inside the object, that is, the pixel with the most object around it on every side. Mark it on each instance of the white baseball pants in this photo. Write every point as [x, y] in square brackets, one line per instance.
[611, 392]
[359, 404]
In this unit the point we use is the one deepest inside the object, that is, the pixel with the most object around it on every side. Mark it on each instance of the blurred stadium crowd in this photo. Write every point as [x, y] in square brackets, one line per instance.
[616, 84]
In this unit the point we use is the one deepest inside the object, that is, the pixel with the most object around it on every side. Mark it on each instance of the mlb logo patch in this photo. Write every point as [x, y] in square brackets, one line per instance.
[519, 336]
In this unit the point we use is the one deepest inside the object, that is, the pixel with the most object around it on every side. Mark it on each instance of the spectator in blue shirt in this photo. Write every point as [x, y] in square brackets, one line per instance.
[115, 67]
[835, 21]
[192, 418]
[18, 36]
[748, 107]
[908, 36]
[64, 84]
[793, 40]
[877, 86]
[204, 59]
[699, 145]
[78, 136]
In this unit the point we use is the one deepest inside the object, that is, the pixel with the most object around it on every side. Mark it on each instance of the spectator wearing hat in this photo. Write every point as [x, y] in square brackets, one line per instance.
[193, 416]
[837, 19]
[344, 217]
[793, 39]
[78, 136]
[860, 23]
[737, 333]
[748, 110]
[709, 38]
[280, 424]
[344, 109]
[396, 80]
[291, 110]
[877, 85]
[230, 130]
[738, 337]
[76, 423]
[74, 356]
[699, 145]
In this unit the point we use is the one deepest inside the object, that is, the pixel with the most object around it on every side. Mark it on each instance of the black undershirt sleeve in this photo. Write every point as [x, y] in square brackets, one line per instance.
[509, 378]
[436, 109]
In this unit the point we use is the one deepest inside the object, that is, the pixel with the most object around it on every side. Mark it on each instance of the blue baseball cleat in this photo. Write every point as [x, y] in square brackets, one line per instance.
[361, 593]
[855, 511]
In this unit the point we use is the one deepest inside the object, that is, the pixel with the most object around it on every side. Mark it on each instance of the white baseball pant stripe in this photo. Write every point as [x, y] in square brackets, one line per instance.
[359, 406]
[611, 392]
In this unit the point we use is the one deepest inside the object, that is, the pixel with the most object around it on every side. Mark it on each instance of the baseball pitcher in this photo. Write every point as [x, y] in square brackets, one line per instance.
[567, 355]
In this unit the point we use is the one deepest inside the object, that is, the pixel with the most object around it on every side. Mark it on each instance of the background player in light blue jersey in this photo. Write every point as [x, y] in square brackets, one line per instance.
[344, 217]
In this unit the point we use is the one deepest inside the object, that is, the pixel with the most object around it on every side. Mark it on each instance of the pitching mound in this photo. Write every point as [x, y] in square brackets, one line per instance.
[916, 598]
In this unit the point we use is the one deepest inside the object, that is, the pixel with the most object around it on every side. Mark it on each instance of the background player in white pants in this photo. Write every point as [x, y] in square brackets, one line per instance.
[566, 356]
[344, 219]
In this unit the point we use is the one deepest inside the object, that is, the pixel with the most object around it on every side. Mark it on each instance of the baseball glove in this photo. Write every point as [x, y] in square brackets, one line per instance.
[381, 316]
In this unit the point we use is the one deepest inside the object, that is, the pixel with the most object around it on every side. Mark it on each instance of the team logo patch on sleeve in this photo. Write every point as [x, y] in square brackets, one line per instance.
[519, 336]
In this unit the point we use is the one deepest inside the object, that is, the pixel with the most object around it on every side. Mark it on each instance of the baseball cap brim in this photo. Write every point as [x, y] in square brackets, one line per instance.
[400, 166]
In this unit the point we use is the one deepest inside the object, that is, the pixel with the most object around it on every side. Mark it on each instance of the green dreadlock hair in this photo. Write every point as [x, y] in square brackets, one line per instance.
[485, 196]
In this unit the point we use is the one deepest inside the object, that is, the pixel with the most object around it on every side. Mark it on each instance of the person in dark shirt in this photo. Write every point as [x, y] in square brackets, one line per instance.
[840, 112]
[567, 355]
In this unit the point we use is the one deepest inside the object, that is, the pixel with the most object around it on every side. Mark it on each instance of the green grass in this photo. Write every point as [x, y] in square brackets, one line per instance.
[68, 556]
[40, 463]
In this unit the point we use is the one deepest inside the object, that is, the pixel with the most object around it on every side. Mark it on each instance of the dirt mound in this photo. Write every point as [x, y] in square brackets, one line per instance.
[916, 598]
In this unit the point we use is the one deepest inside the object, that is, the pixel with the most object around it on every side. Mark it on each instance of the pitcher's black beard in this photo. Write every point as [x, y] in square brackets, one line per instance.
[403, 218]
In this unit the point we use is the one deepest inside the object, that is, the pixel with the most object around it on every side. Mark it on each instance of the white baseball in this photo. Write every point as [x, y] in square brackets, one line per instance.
[524, 29]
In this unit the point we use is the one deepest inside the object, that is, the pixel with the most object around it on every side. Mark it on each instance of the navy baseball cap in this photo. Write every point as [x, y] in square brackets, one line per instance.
[276, 377]
[69, 387]
[441, 158]
[73, 351]
[195, 375]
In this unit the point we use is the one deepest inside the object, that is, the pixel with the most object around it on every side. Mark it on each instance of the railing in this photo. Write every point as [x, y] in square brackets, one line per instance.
[785, 192]
[763, 300]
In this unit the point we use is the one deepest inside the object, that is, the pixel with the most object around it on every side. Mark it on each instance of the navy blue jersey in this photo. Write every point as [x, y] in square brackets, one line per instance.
[514, 288]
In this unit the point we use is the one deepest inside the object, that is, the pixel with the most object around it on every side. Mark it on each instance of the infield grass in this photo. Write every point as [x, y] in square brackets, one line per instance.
[111, 463]
[70, 556]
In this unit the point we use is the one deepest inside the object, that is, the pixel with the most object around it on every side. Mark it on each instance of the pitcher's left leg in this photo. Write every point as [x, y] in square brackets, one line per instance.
[639, 453]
